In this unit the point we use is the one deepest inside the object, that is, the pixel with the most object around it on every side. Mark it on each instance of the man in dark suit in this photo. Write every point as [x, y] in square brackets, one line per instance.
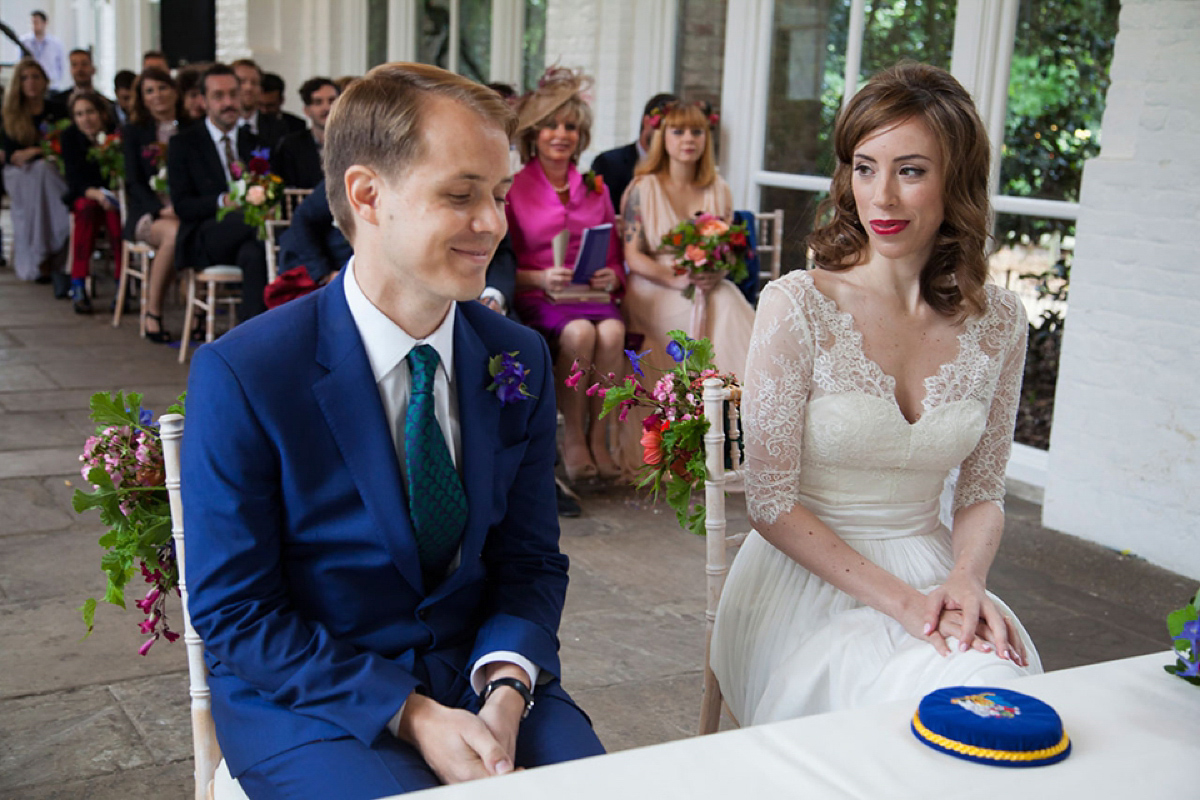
[270, 103]
[269, 129]
[373, 556]
[616, 166]
[298, 158]
[82, 72]
[198, 162]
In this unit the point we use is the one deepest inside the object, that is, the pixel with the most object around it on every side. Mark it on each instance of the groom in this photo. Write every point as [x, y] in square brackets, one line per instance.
[373, 556]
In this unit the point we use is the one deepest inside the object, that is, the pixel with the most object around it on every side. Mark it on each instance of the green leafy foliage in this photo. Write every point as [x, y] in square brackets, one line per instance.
[1182, 625]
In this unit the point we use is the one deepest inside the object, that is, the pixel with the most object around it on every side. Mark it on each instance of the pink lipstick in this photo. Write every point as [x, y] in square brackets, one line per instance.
[888, 227]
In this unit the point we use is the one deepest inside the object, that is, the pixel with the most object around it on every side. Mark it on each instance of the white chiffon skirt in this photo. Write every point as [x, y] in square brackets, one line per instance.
[787, 644]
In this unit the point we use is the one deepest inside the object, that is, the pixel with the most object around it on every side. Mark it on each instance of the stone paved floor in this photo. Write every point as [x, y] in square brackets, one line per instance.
[92, 719]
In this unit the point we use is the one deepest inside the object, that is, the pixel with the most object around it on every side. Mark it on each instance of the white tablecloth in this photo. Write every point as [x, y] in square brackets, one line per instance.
[1135, 732]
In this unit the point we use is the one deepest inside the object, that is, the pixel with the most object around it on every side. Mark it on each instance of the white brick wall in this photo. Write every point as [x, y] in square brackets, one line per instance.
[1125, 450]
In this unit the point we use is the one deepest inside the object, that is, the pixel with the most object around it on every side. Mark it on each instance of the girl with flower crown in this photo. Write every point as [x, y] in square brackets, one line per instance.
[677, 180]
[548, 196]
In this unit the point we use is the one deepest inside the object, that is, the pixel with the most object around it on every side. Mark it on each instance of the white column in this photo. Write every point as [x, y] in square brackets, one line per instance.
[233, 30]
[348, 27]
[508, 50]
[744, 87]
[403, 22]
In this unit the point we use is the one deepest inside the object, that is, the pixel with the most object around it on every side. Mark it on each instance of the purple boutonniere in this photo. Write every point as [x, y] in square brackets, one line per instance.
[508, 378]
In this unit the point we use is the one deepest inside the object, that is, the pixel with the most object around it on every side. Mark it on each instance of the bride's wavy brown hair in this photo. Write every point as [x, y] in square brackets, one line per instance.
[952, 281]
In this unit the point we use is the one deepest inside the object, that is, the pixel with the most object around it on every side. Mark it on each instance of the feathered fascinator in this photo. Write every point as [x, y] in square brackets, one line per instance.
[554, 88]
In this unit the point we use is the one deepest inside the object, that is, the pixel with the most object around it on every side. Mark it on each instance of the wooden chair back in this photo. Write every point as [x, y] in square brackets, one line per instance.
[770, 243]
[208, 764]
[275, 227]
[135, 263]
[293, 197]
[722, 409]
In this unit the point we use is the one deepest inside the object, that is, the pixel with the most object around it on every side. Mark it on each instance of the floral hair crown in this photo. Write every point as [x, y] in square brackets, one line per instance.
[659, 113]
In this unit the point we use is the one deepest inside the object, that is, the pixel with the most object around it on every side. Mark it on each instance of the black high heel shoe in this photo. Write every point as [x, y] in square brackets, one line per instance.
[160, 336]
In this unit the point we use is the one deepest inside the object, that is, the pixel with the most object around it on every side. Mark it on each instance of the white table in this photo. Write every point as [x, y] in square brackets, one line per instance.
[1135, 733]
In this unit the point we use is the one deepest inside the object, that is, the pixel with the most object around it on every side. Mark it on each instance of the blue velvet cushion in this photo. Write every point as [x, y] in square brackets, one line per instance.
[991, 726]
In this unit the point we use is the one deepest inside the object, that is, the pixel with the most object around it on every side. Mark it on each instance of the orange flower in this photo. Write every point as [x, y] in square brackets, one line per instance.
[713, 227]
[677, 240]
[599, 184]
[651, 442]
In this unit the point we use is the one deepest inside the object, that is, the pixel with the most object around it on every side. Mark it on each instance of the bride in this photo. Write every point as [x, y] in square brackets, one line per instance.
[869, 380]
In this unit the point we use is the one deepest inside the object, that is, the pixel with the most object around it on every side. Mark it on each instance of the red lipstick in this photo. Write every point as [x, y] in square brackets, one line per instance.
[888, 227]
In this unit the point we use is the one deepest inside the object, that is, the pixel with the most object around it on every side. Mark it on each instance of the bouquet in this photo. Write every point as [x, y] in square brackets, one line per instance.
[157, 155]
[673, 432]
[111, 158]
[123, 462]
[51, 141]
[255, 191]
[1184, 627]
[707, 243]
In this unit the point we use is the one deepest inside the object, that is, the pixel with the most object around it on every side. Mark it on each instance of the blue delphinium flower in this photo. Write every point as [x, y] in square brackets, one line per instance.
[508, 375]
[635, 359]
[1191, 635]
[145, 416]
[261, 152]
[675, 350]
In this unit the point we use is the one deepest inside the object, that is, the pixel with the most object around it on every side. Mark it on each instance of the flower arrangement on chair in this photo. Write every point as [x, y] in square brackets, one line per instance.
[157, 153]
[109, 154]
[707, 243]
[123, 462]
[1184, 627]
[255, 191]
[673, 432]
[51, 142]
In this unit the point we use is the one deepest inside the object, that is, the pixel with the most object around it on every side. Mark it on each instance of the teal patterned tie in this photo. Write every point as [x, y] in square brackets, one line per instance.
[436, 502]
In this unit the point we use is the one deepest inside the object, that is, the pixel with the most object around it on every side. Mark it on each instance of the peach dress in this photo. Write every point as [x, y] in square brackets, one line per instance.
[651, 309]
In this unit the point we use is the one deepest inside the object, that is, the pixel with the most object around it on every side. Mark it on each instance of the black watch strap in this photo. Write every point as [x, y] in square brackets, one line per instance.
[512, 683]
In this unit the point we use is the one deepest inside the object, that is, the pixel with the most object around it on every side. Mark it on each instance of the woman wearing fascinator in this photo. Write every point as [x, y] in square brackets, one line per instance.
[871, 378]
[549, 196]
[677, 180]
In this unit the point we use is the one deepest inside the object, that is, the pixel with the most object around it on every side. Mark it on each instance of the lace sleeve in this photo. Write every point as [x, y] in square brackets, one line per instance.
[982, 476]
[778, 380]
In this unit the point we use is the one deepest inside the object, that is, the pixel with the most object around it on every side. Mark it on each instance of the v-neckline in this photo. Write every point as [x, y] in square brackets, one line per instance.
[851, 326]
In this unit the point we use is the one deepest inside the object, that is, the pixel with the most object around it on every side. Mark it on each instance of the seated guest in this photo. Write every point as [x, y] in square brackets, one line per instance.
[82, 72]
[548, 196]
[298, 158]
[616, 166]
[198, 163]
[269, 130]
[123, 88]
[88, 193]
[367, 636]
[188, 85]
[313, 241]
[156, 59]
[35, 187]
[149, 215]
[270, 102]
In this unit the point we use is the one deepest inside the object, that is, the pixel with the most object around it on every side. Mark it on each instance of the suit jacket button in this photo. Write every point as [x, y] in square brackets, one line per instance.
[423, 613]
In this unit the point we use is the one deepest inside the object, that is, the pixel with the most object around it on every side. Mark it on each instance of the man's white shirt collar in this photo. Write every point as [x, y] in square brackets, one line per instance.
[386, 343]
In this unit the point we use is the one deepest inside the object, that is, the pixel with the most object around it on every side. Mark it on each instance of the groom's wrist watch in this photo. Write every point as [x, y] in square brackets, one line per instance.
[512, 683]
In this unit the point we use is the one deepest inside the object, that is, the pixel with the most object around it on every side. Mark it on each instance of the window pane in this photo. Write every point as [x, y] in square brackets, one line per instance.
[475, 37]
[808, 45]
[808, 63]
[1056, 94]
[799, 211]
[535, 42]
[377, 32]
[699, 50]
[435, 33]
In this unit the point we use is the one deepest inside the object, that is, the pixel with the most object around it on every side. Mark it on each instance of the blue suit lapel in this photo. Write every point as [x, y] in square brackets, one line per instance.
[350, 401]
[479, 421]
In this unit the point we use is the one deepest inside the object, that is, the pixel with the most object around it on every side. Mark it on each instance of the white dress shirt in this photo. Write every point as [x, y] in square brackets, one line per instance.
[47, 51]
[388, 346]
[217, 135]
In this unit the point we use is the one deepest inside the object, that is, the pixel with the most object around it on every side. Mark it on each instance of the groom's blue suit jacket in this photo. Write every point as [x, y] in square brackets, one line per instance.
[301, 565]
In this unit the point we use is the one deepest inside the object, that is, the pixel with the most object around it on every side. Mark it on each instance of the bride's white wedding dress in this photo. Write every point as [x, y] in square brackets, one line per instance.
[823, 429]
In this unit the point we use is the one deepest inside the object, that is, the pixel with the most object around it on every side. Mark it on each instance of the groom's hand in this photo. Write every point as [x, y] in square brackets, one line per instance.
[504, 708]
[457, 745]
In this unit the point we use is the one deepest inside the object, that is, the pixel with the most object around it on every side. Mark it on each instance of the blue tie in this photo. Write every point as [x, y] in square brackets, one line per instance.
[436, 502]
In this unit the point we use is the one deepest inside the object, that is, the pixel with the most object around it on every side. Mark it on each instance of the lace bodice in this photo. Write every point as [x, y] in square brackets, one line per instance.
[821, 419]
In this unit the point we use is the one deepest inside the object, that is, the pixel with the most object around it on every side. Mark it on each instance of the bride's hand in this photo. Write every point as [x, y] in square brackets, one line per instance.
[965, 592]
[912, 617]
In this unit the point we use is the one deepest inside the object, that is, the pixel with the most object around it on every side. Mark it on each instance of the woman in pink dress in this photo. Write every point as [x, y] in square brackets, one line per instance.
[548, 196]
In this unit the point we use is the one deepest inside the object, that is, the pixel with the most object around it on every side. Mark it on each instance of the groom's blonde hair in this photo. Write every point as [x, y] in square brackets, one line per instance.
[376, 123]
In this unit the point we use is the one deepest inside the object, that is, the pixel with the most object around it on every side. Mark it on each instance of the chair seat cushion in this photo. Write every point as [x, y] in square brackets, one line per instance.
[221, 272]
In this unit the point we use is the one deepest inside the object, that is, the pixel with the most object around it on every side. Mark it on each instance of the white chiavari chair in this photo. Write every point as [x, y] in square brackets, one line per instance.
[135, 263]
[275, 227]
[722, 409]
[770, 243]
[219, 290]
[293, 197]
[213, 781]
